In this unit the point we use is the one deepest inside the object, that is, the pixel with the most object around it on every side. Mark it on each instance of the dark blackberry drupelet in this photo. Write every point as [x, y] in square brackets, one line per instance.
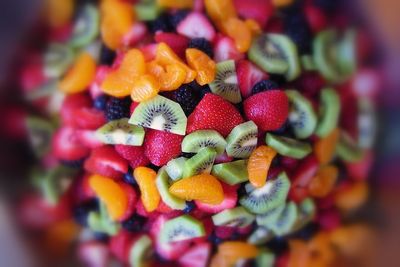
[215, 239]
[162, 23]
[134, 223]
[307, 232]
[297, 28]
[189, 207]
[100, 102]
[285, 130]
[203, 45]
[107, 55]
[177, 17]
[187, 97]
[201, 89]
[81, 212]
[118, 108]
[278, 245]
[264, 85]
[75, 164]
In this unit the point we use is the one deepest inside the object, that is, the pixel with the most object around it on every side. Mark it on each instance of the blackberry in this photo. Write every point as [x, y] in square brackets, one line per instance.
[107, 55]
[72, 163]
[203, 45]
[81, 212]
[279, 79]
[201, 89]
[297, 28]
[187, 98]
[189, 207]
[307, 232]
[214, 239]
[129, 179]
[285, 130]
[162, 23]
[264, 85]
[118, 108]
[100, 102]
[278, 245]
[134, 223]
[177, 17]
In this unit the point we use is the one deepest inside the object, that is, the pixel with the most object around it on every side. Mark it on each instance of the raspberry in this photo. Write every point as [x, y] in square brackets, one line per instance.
[118, 108]
[203, 45]
[187, 97]
[264, 85]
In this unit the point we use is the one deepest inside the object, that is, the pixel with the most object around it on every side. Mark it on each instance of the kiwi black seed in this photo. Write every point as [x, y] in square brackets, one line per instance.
[181, 228]
[202, 162]
[235, 217]
[226, 83]
[197, 140]
[242, 140]
[120, 132]
[86, 27]
[289, 147]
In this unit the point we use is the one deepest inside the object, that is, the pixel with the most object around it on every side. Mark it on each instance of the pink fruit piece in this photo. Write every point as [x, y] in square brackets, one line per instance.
[223, 158]
[329, 219]
[66, 146]
[132, 201]
[248, 75]
[70, 104]
[120, 244]
[269, 109]
[259, 10]
[197, 256]
[208, 228]
[88, 118]
[245, 230]
[178, 43]
[316, 18]
[94, 254]
[88, 138]
[214, 112]
[160, 147]
[359, 171]
[134, 154]
[230, 199]
[101, 73]
[225, 49]
[107, 162]
[133, 107]
[149, 51]
[140, 210]
[224, 232]
[32, 75]
[196, 25]
[135, 35]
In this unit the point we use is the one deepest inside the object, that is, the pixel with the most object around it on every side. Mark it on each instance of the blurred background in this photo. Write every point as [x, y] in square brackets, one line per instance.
[20, 29]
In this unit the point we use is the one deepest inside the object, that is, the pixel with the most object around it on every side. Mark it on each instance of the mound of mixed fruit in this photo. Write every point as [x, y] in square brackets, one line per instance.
[200, 133]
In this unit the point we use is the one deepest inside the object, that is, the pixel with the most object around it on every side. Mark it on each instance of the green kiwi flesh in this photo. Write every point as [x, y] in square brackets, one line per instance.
[181, 228]
[242, 140]
[288, 146]
[270, 216]
[141, 252]
[86, 27]
[40, 132]
[347, 148]
[147, 11]
[57, 59]
[120, 132]
[260, 236]
[232, 173]
[347, 59]
[329, 112]
[99, 221]
[286, 220]
[175, 168]
[193, 142]
[265, 258]
[226, 83]
[202, 162]
[162, 183]
[235, 217]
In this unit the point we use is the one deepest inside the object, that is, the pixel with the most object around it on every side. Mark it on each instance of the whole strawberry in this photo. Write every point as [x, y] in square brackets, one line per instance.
[269, 109]
[160, 147]
[134, 154]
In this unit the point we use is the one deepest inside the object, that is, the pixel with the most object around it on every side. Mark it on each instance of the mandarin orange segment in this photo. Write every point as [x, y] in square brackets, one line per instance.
[220, 10]
[111, 193]
[118, 84]
[219, 260]
[204, 187]
[59, 12]
[320, 249]
[175, 3]
[144, 88]
[352, 196]
[259, 164]
[133, 63]
[202, 64]
[239, 32]
[281, 3]
[254, 27]
[236, 250]
[109, 34]
[146, 179]
[324, 148]
[171, 78]
[351, 239]
[323, 182]
[79, 77]
[299, 255]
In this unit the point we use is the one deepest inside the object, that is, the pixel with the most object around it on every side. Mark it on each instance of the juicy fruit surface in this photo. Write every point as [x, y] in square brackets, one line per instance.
[146, 178]
[258, 165]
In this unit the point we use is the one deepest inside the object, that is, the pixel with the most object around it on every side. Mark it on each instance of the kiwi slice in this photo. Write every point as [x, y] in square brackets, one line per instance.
[265, 258]
[99, 221]
[286, 220]
[202, 162]
[306, 213]
[175, 168]
[276, 53]
[141, 252]
[181, 228]
[302, 117]
[57, 60]
[270, 216]
[307, 62]
[288, 146]
[235, 217]
[260, 236]
[242, 140]
[270, 196]
[120, 132]
[347, 148]
[42, 91]
[325, 54]
[147, 11]
[86, 26]
[163, 186]
[226, 83]
[160, 113]
[40, 132]
[192, 143]
[231, 172]
[367, 123]
[347, 54]
[329, 110]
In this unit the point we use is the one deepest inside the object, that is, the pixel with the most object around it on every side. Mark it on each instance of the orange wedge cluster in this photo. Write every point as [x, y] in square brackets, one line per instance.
[167, 72]
[225, 17]
[230, 252]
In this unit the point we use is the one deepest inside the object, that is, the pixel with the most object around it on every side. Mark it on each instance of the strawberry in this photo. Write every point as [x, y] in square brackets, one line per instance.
[133, 154]
[160, 146]
[196, 25]
[302, 177]
[101, 73]
[88, 118]
[88, 138]
[133, 107]
[230, 199]
[248, 75]
[259, 10]
[359, 171]
[132, 201]
[140, 210]
[224, 232]
[177, 42]
[66, 146]
[315, 18]
[120, 245]
[214, 112]
[329, 219]
[269, 109]
[70, 104]
[197, 256]
[135, 35]
[107, 162]
[94, 254]
[225, 49]
[149, 51]
[32, 75]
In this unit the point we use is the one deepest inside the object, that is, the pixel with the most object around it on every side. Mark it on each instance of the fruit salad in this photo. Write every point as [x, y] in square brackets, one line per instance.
[199, 133]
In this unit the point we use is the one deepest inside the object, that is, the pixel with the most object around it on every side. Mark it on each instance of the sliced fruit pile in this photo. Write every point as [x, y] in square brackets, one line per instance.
[200, 133]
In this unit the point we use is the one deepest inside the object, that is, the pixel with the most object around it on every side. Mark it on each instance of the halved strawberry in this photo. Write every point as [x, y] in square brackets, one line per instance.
[66, 146]
[88, 118]
[178, 43]
[120, 245]
[359, 171]
[225, 49]
[88, 138]
[196, 25]
[70, 104]
[132, 200]
[259, 10]
[230, 199]
[160, 146]
[248, 75]
[95, 86]
[329, 219]
[135, 35]
[140, 210]
[197, 256]
[214, 112]
[94, 254]
[302, 177]
[107, 162]
[134, 154]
